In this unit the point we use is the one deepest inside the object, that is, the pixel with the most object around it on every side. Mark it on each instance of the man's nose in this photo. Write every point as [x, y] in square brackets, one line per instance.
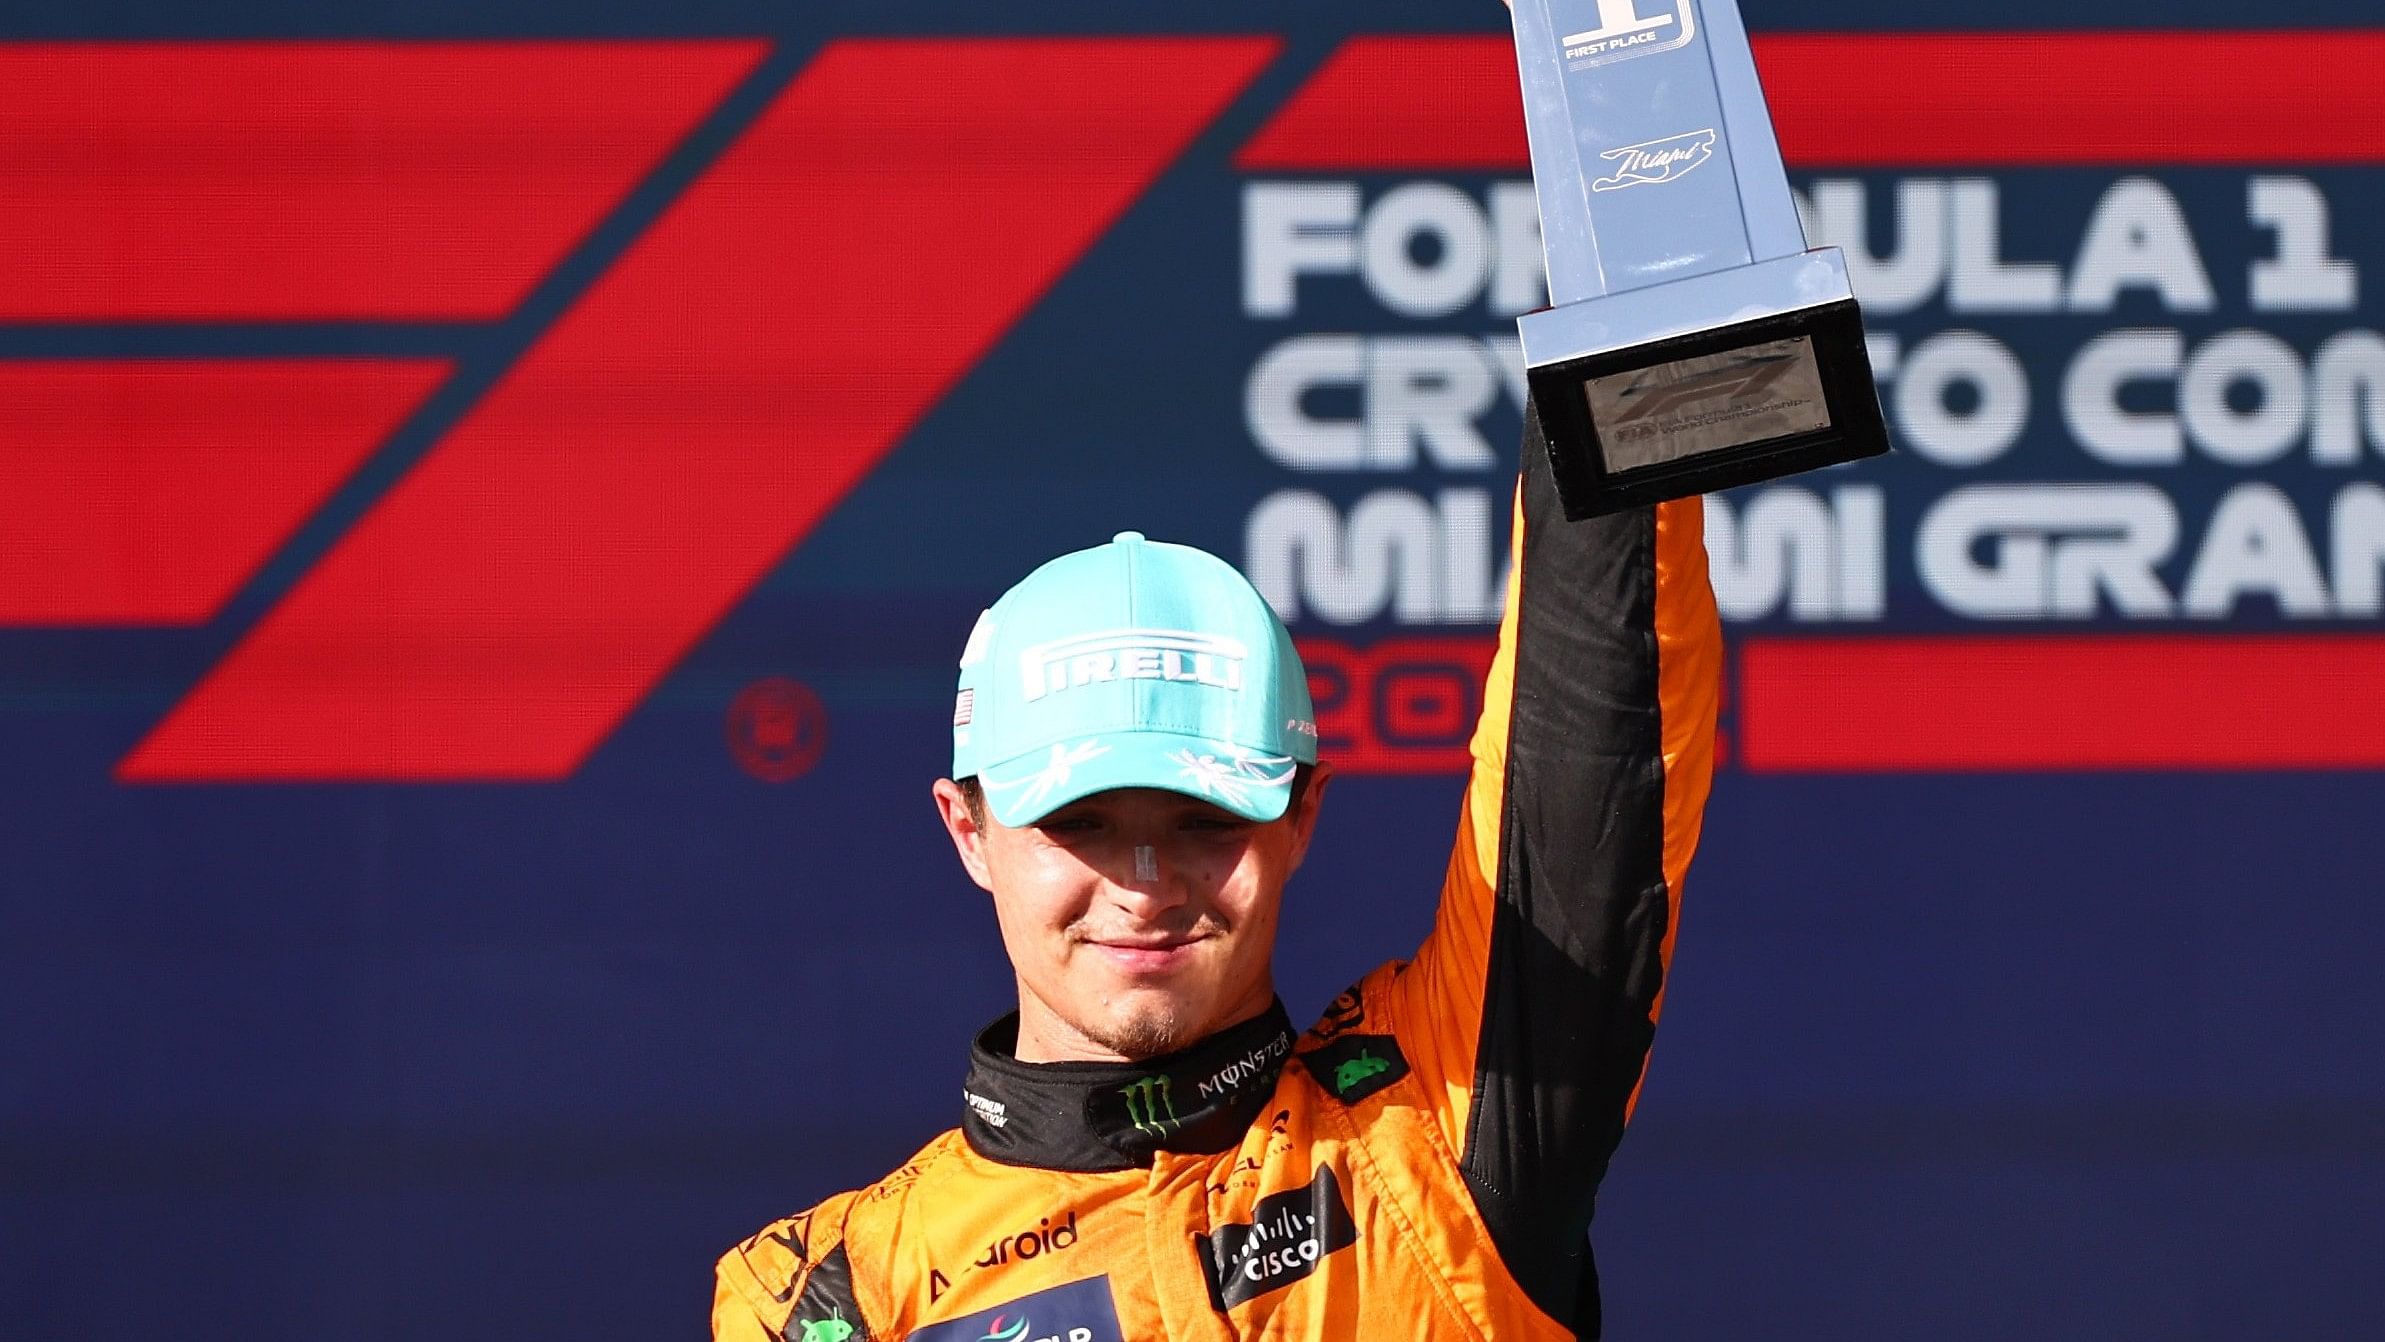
[1143, 877]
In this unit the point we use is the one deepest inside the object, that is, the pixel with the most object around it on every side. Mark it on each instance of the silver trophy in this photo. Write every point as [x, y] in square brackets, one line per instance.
[1692, 343]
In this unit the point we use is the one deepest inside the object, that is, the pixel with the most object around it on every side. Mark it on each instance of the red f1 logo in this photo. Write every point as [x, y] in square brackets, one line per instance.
[681, 427]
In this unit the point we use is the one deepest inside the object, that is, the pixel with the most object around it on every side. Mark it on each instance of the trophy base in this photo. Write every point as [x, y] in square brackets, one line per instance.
[1698, 404]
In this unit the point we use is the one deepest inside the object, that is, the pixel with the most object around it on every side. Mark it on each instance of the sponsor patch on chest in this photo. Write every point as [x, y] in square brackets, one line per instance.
[1081, 1311]
[1288, 1236]
[1355, 1066]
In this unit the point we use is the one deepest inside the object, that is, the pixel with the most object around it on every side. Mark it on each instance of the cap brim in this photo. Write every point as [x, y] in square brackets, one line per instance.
[1250, 783]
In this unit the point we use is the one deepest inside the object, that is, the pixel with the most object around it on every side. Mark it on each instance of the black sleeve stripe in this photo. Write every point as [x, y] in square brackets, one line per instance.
[1581, 910]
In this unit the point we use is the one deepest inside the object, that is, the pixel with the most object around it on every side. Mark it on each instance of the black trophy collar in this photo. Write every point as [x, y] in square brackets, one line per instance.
[1094, 1116]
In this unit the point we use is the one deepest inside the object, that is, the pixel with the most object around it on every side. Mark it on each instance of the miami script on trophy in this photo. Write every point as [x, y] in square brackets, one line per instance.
[1692, 342]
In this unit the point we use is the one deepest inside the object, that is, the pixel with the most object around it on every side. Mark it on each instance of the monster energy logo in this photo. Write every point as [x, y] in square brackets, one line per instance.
[1149, 1106]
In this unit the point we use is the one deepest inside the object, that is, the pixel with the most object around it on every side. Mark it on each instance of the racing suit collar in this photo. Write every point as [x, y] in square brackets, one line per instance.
[1094, 1116]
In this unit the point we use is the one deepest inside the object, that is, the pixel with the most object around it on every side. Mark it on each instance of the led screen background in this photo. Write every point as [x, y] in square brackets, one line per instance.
[490, 499]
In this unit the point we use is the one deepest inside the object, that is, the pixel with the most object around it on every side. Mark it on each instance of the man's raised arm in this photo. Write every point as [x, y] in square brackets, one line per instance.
[1530, 1008]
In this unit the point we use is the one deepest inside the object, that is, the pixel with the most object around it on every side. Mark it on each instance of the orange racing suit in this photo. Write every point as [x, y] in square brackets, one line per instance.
[1421, 1163]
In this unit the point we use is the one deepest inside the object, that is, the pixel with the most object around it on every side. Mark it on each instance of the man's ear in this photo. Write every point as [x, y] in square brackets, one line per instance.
[968, 836]
[1304, 815]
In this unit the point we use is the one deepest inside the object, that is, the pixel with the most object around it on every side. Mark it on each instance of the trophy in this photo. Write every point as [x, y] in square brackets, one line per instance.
[1692, 343]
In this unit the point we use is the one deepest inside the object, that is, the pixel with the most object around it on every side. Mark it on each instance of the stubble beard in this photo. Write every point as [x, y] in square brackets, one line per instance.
[1144, 1032]
[1146, 1025]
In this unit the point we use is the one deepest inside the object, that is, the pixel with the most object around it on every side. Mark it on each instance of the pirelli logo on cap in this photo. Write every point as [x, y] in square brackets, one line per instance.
[1131, 654]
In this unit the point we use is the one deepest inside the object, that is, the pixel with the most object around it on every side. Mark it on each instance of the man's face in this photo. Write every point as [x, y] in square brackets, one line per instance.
[1127, 954]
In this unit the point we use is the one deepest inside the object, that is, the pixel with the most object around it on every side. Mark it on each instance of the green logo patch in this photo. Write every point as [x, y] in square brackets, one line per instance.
[1150, 1106]
[1355, 1066]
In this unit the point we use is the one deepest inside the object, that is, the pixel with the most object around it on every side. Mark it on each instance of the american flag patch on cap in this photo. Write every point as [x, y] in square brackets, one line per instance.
[964, 708]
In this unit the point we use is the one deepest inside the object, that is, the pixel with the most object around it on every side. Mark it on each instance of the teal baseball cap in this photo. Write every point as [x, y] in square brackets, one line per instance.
[1132, 664]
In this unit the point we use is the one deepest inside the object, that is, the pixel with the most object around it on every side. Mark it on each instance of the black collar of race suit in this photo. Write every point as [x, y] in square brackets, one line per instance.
[1093, 1116]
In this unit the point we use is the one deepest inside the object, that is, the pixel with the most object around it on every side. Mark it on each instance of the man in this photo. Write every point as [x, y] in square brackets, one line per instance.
[1146, 1149]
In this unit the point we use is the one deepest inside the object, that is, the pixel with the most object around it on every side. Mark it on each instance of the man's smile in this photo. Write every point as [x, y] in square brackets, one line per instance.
[1148, 953]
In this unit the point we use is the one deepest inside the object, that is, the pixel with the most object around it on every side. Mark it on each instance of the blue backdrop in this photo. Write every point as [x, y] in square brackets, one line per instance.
[367, 1047]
